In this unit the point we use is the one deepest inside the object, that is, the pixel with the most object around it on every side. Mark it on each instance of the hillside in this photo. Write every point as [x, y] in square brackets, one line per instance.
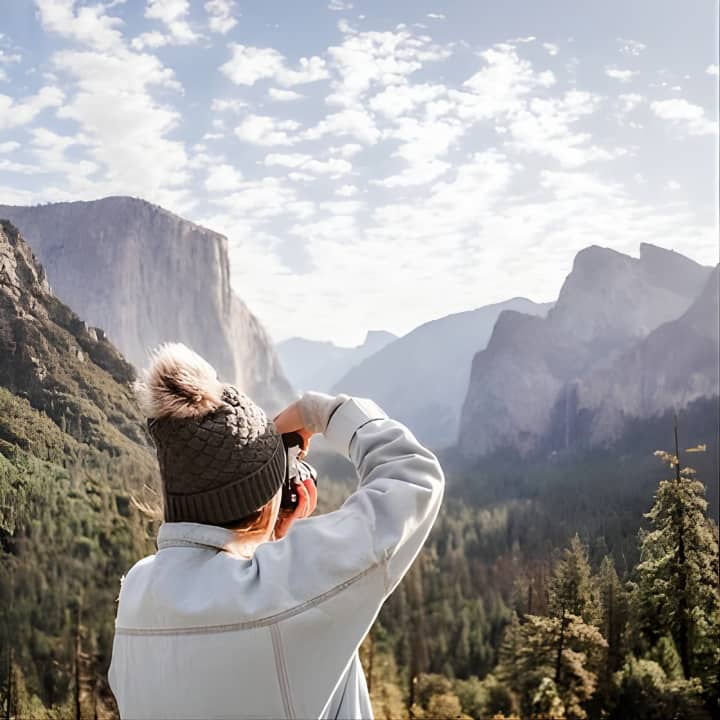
[73, 451]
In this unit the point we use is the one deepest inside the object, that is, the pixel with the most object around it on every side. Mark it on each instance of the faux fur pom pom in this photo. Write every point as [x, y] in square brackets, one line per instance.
[178, 384]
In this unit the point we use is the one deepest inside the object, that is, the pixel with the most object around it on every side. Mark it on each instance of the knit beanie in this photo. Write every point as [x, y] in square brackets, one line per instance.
[220, 457]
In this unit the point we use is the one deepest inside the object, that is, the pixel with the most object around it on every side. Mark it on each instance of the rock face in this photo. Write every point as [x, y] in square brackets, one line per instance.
[422, 378]
[313, 365]
[148, 276]
[674, 365]
[563, 381]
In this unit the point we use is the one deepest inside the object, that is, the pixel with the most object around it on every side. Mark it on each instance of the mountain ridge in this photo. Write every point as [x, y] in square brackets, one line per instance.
[147, 276]
[522, 384]
[421, 378]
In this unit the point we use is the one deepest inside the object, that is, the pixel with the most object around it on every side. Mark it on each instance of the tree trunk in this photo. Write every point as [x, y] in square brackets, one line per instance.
[371, 658]
[8, 704]
[683, 629]
[561, 642]
[77, 665]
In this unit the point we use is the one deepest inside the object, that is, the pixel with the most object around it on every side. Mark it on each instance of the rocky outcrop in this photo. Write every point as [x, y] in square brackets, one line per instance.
[148, 276]
[314, 365]
[531, 388]
[422, 378]
[63, 367]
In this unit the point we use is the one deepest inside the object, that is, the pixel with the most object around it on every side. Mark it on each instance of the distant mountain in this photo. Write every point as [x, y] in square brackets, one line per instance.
[314, 365]
[523, 391]
[422, 377]
[147, 276]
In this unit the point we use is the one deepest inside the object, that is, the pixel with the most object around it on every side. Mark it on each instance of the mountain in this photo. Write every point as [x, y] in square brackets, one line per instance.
[676, 364]
[147, 276]
[314, 365]
[73, 454]
[523, 391]
[422, 377]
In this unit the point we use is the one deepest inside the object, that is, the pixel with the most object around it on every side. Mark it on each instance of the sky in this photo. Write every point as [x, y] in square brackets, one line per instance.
[375, 164]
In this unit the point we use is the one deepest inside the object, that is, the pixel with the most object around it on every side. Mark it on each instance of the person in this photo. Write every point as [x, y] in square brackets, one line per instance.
[247, 611]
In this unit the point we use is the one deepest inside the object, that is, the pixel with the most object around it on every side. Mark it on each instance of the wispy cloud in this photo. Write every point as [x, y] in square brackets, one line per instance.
[684, 116]
[623, 75]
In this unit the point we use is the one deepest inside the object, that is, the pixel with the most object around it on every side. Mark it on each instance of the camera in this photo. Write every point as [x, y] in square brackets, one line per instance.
[296, 470]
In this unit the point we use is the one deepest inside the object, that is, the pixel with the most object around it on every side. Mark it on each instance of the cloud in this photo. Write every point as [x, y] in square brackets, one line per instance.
[16, 113]
[621, 75]
[340, 5]
[545, 128]
[367, 59]
[225, 104]
[629, 101]
[6, 59]
[712, 70]
[631, 47]
[345, 190]
[109, 90]
[290, 160]
[397, 100]
[551, 48]
[249, 64]
[308, 164]
[356, 123]
[223, 178]
[283, 95]
[173, 14]
[152, 40]
[683, 114]
[9, 146]
[265, 130]
[435, 16]
[501, 86]
[220, 19]
[263, 199]
[347, 150]
[89, 25]
[423, 143]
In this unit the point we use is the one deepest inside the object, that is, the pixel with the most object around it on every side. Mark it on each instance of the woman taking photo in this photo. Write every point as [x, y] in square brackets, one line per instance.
[248, 610]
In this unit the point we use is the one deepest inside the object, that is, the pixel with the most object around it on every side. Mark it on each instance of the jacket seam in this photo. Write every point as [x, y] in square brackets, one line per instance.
[282, 672]
[260, 622]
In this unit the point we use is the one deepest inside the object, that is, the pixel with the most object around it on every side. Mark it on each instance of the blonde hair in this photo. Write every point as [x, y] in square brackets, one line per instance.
[246, 535]
[260, 529]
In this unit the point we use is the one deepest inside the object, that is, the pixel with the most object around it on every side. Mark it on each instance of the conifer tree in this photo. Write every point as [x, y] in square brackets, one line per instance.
[613, 613]
[678, 575]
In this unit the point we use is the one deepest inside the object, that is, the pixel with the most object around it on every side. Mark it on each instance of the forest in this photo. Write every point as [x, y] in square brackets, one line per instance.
[523, 604]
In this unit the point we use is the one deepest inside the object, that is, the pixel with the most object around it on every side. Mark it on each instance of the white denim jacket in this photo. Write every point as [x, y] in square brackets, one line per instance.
[203, 633]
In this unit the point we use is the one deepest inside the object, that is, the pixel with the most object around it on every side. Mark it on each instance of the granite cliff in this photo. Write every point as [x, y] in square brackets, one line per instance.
[146, 276]
[554, 383]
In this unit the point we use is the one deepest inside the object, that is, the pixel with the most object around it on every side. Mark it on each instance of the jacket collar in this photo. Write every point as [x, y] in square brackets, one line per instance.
[175, 534]
[189, 534]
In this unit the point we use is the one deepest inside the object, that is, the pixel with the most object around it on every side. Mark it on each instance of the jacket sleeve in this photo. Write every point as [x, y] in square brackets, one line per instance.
[388, 518]
[335, 570]
[401, 482]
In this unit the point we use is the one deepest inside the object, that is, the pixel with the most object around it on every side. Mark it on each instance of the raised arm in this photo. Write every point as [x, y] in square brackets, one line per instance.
[387, 519]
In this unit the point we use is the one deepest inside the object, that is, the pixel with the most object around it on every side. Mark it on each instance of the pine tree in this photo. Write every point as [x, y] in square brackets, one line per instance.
[571, 590]
[613, 613]
[570, 595]
[678, 572]
[508, 670]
